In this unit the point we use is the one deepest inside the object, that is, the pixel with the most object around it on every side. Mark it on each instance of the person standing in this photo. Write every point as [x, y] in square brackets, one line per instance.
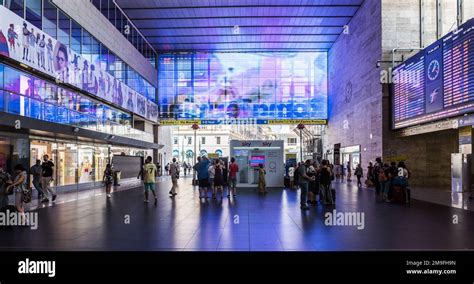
[303, 181]
[36, 171]
[108, 179]
[359, 172]
[218, 178]
[384, 180]
[261, 180]
[291, 175]
[349, 171]
[174, 173]
[149, 178]
[212, 171]
[376, 171]
[325, 181]
[202, 169]
[370, 173]
[47, 177]
[233, 170]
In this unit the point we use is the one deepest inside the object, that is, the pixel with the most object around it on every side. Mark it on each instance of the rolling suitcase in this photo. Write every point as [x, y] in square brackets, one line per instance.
[286, 182]
[400, 194]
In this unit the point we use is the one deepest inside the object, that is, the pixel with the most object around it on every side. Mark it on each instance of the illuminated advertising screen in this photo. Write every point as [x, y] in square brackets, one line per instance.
[21, 41]
[267, 87]
[436, 83]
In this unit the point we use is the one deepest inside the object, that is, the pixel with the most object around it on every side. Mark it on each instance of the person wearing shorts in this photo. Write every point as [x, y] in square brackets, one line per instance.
[202, 169]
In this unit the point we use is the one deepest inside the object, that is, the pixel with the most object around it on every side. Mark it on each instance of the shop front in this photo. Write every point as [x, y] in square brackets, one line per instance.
[351, 154]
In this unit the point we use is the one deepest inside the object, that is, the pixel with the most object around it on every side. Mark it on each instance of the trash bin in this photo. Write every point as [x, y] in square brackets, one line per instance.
[117, 175]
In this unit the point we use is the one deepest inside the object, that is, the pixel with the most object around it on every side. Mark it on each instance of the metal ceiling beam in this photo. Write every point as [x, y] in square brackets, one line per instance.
[238, 17]
[244, 6]
[240, 26]
[219, 35]
[242, 50]
[241, 42]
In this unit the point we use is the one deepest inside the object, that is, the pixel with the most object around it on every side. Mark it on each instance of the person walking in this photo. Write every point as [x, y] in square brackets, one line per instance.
[261, 180]
[108, 179]
[174, 173]
[150, 173]
[36, 171]
[218, 178]
[233, 170]
[349, 171]
[5, 180]
[47, 177]
[202, 169]
[19, 186]
[359, 173]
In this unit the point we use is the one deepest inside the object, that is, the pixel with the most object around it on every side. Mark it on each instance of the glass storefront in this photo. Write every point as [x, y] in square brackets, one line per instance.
[77, 165]
[29, 96]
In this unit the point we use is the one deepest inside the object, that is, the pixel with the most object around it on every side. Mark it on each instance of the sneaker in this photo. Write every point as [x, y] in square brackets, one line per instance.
[304, 207]
[146, 201]
[54, 198]
[170, 192]
[109, 195]
[175, 193]
[45, 200]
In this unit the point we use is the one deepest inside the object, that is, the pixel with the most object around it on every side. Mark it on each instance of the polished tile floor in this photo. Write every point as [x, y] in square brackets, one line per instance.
[251, 222]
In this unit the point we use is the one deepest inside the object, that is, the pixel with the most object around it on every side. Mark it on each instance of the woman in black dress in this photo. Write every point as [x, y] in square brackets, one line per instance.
[219, 178]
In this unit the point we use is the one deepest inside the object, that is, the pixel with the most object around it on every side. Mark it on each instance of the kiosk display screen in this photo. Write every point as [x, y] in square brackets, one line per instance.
[257, 160]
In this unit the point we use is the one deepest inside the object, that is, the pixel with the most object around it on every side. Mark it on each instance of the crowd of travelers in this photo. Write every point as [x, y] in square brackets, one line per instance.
[316, 179]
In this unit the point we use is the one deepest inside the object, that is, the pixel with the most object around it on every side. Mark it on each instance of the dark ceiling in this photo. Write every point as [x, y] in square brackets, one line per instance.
[240, 25]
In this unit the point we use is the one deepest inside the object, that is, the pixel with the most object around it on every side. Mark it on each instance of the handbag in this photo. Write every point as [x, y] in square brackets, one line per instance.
[26, 195]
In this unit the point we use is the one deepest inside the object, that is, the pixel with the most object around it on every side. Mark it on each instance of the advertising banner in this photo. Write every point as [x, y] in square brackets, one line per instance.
[266, 86]
[30, 46]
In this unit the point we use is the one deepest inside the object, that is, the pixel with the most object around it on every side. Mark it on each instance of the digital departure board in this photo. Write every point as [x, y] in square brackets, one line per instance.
[436, 83]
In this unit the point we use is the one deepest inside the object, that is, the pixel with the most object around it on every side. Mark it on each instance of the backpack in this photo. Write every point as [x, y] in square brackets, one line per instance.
[296, 174]
[381, 176]
[325, 176]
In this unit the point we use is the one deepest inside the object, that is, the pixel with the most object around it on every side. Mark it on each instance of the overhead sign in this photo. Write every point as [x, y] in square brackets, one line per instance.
[243, 122]
[437, 82]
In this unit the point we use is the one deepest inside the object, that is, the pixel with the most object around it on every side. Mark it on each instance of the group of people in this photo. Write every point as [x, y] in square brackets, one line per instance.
[214, 176]
[314, 180]
[16, 184]
[385, 177]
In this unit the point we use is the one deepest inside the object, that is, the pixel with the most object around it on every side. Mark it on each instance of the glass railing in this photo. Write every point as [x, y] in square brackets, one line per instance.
[28, 107]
